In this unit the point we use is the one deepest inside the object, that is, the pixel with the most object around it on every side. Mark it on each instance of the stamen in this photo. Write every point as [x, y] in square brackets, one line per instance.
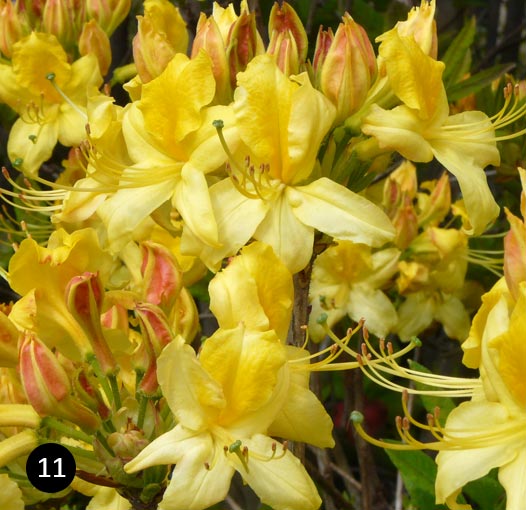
[51, 78]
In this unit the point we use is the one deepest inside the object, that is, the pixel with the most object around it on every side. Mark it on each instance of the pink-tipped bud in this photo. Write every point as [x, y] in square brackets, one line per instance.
[288, 39]
[84, 296]
[243, 44]
[94, 40]
[47, 385]
[162, 278]
[12, 29]
[58, 19]
[323, 43]
[349, 68]
[405, 222]
[109, 14]
[156, 334]
[208, 38]
[161, 33]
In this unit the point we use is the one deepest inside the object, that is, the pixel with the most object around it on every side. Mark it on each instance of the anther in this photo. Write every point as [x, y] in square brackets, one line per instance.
[273, 447]
[363, 348]
[207, 466]
[405, 423]
[285, 446]
[244, 451]
[390, 349]
[365, 331]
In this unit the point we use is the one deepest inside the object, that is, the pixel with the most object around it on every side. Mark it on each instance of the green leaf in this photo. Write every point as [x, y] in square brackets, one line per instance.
[430, 402]
[458, 55]
[477, 81]
[487, 492]
[418, 472]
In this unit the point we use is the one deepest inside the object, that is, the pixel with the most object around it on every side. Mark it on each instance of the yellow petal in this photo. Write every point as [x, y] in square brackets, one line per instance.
[172, 102]
[457, 468]
[290, 238]
[452, 314]
[32, 144]
[245, 364]
[414, 315]
[480, 204]
[255, 288]
[340, 213]
[193, 396]
[415, 77]
[511, 476]
[34, 58]
[399, 129]
[10, 494]
[281, 483]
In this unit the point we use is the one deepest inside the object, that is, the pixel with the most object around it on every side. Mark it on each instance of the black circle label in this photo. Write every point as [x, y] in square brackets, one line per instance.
[50, 467]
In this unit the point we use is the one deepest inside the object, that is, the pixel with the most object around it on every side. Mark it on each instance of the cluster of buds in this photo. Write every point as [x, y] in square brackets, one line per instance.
[81, 27]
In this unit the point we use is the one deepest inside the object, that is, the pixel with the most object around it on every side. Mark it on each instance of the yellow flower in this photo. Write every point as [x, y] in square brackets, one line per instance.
[49, 94]
[347, 280]
[489, 431]
[41, 274]
[172, 144]
[270, 194]
[224, 402]
[422, 129]
[10, 494]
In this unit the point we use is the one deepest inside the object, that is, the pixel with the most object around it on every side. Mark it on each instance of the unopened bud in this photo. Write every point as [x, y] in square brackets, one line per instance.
[160, 35]
[47, 385]
[436, 206]
[161, 275]
[58, 19]
[288, 39]
[109, 14]
[208, 37]
[127, 445]
[94, 40]
[323, 43]
[12, 29]
[243, 44]
[349, 68]
[84, 296]
[405, 222]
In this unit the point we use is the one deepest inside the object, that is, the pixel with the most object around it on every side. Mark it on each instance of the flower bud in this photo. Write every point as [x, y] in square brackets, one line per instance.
[160, 35]
[434, 207]
[15, 446]
[162, 278]
[47, 385]
[323, 43]
[243, 44]
[405, 222]
[58, 19]
[127, 445]
[208, 37]
[84, 295]
[349, 68]
[288, 39]
[109, 14]
[11, 27]
[94, 40]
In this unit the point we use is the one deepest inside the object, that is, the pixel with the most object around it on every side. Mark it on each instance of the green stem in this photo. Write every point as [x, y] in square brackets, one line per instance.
[67, 430]
[143, 402]
[115, 391]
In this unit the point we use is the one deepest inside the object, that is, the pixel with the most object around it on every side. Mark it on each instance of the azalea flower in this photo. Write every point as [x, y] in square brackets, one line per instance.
[172, 144]
[49, 95]
[422, 129]
[347, 280]
[270, 194]
[224, 402]
[488, 431]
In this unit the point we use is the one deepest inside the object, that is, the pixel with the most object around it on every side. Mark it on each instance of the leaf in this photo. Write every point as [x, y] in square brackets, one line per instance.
[486, 492]
[445, 404]
[458, 55]
[418, 472]
[477, 81]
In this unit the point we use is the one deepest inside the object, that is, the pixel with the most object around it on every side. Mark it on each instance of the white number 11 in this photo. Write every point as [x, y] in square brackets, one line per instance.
[44, 470]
